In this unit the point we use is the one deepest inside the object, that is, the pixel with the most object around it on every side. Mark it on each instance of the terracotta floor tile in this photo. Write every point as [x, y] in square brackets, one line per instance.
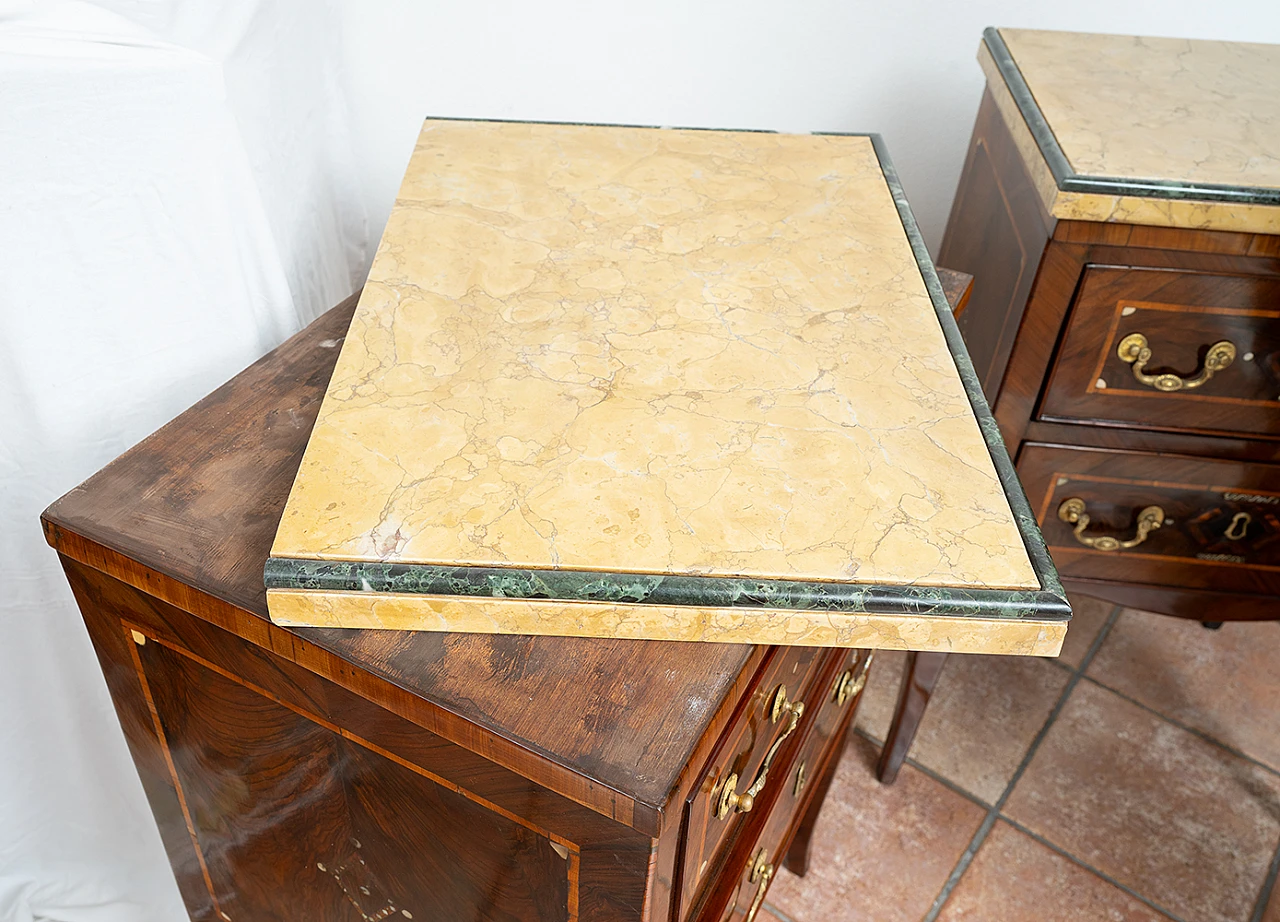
[876, 708]
[984, 714]
[1224, 682]
[1014, 878]
[1174, 817]
[764, 915]
[880, 854]
[1088, 615]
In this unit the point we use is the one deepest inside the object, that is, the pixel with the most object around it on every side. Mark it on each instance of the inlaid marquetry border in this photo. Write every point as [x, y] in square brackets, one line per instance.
[1055, 481]
[137, 636]
[1132, 388]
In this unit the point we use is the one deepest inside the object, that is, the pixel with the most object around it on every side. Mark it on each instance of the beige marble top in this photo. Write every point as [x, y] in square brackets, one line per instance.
[1157, 108]
[656, 351]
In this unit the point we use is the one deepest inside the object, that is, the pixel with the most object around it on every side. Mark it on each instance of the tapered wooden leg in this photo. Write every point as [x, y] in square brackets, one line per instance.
[918, 679]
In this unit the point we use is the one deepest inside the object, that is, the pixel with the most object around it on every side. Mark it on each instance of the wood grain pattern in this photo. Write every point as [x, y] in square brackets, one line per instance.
[779, 815]
[996, 233]
[1171, 443]
[810, 778]
[957, 287]
[260, 780]
[613, 862]
[1181, 314]
[197, 503]
[1178, 602]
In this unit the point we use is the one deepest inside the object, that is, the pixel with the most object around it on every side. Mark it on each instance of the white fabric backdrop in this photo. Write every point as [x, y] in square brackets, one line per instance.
[175, 199]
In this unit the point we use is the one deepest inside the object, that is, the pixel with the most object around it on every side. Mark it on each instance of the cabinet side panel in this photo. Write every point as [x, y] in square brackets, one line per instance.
[112, 643]
[295, 820]
[997, 232]
[260, 772]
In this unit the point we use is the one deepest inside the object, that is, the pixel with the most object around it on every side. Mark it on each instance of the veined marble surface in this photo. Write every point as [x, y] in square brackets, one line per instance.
[654, 351]
[1157, 108]
[1149, 109]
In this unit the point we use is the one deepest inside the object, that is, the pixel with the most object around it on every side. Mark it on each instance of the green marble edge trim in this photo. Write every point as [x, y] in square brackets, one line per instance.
[658, 589]
[1028, 527]
[1069, 180]
[1047, 604]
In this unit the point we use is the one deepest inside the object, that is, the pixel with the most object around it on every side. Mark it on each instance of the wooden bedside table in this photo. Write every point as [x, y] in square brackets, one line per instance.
[1120, 211]
[317, 774]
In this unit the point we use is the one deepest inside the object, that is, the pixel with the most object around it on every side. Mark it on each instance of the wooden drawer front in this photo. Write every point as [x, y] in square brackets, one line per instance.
[843, 691]
[755, 857]
[742, 750]
[1182, 316]
[1221, 525]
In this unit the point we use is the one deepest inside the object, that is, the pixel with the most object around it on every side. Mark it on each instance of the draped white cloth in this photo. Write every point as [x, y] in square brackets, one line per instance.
[176, 197]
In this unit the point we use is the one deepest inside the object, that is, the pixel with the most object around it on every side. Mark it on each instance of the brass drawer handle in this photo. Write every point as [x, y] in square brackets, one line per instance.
[1072, 512]
[761, 875]
[729, 799]
[1134, 350]
[850, 682]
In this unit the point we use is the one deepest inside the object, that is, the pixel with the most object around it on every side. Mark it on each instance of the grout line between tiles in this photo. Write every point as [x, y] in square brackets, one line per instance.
[1268, 888]
[1190, 729]
[782, 916]
[966, 858]
[925, 770]
[1091, 869]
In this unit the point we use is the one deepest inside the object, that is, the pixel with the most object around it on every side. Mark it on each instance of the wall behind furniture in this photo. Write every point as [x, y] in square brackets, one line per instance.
[904, 68]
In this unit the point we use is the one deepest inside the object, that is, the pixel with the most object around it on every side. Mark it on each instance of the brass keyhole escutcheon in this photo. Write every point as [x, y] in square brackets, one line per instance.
[1072, 511]
[1135, 350]
[802, 775]
[1239, 525]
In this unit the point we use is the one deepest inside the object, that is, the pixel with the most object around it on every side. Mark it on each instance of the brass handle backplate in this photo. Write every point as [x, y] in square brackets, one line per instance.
[851, 681]
[1072, 512]
[729, 798]
[761, 874]
[1134, 350]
